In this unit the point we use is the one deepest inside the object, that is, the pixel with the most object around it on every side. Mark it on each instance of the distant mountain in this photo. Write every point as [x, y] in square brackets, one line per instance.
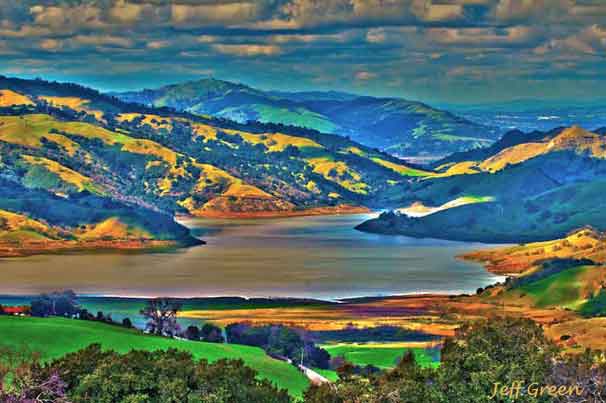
[535, 114]
[82, 166]
[398, 126]
[527, 187]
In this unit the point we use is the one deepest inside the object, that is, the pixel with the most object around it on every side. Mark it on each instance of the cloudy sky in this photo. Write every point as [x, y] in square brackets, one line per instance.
[458, 51]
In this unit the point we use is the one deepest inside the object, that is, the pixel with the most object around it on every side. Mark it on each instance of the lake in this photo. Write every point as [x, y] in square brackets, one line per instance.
[316, 257]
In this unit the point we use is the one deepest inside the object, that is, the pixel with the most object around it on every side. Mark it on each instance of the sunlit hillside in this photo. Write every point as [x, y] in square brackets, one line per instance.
[74, 145]
[526, 187]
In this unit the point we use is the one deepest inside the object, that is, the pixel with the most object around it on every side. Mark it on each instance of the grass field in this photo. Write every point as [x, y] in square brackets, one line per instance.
[55, 337]
[382, 355]
[562, 289]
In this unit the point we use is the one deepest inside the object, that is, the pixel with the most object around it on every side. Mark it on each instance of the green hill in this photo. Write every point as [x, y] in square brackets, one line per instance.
[54, 337]
[399, 126]
[536, 190]
[381, 355]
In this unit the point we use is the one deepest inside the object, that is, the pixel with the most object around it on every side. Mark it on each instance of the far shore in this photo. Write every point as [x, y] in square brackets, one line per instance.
[315, 211]
[25, 248]
[49, 247]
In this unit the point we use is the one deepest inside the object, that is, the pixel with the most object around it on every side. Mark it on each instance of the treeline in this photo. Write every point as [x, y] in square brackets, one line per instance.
[281, 342]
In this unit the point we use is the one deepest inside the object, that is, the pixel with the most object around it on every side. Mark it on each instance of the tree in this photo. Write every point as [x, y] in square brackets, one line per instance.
[161, 316]
[192, 333]
[316, 356]
[63, 303]
[211, 333]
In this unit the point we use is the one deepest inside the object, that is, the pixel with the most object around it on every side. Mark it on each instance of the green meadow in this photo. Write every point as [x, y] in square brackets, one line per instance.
[381, 355]
[55, 337]
[561, 289]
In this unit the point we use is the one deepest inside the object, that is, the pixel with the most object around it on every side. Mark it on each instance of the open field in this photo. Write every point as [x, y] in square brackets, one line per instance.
[413, 313]
[55, 337]
[382, 355]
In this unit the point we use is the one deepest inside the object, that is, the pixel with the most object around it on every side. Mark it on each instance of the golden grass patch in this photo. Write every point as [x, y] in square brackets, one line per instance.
[275, 142]
[340, 173]
[77, 104]
[12, 98]
[112, 228]
[155, 121]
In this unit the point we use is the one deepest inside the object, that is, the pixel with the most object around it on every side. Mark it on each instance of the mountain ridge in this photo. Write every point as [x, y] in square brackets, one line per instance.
[75, 148]
[398, 125]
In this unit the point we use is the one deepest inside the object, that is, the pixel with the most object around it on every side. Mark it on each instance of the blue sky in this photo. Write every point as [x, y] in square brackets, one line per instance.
[456, 51]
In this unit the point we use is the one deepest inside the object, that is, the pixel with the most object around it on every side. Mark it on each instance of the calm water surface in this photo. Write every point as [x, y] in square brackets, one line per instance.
[319, 257]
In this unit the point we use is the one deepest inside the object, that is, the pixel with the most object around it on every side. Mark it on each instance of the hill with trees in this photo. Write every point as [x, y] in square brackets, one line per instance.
[115, 172]
[526, 187]
[398, 126]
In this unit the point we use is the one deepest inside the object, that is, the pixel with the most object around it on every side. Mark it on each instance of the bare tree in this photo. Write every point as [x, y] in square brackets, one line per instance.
[161, 316]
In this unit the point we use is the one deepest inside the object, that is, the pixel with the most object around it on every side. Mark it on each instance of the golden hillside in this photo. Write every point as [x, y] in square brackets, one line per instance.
[585, 243]
[11, 98]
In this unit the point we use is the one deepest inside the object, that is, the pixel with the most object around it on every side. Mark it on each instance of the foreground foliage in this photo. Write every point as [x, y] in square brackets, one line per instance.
[482, 355]
[53, 338]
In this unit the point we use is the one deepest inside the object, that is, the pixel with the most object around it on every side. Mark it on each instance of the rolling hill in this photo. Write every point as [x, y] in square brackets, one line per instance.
[525, 188]
[398, 126]
[69, 335]
[113, 170]
[567, 273]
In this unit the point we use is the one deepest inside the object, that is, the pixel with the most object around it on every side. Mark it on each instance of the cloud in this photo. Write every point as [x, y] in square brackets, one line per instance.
[248, 50]
[412, 45]
[589, 41]
[103, 40]
[158, 44]
[375, 35]
[365, 75]
[442, 12]
[518, 35]
[50, 44]
[67, 18]
[207, 39]
[311, 38]
[216, 13]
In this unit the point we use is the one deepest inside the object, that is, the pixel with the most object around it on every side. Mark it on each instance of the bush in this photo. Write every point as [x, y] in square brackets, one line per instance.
[172, 376]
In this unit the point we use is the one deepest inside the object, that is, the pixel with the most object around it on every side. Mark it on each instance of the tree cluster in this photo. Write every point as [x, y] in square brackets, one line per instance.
[280, 341]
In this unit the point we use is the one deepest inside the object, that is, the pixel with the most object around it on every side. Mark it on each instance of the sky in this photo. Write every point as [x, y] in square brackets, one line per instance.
[441, 51]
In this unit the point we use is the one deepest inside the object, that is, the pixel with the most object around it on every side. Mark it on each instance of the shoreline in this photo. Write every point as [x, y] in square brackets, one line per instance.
[345, 209]
[35, 248]
[18, 249]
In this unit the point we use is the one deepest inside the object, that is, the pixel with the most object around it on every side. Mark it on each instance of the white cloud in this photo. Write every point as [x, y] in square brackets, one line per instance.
[375, 35]
[204, 14]
[365, 75]
[103, 40]
[248, 50]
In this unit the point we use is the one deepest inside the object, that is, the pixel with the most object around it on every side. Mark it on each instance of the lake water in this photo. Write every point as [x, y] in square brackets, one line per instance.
[317, 257]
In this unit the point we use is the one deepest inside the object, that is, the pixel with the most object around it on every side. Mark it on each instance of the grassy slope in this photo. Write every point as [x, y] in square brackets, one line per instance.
[55, 337]
[382, 355]
[571, 288]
